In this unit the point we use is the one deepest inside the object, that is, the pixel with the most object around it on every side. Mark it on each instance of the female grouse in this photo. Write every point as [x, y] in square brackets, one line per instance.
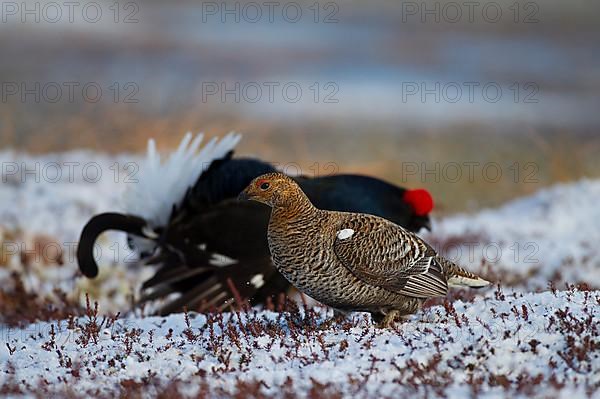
[351, 261]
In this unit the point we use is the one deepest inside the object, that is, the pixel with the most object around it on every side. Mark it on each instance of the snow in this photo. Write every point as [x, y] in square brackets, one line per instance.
[496, 346]
[41, 207]
[532, 239]
[529, 340]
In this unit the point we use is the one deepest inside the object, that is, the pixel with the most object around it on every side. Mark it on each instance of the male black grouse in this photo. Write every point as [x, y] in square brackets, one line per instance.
[183, 217]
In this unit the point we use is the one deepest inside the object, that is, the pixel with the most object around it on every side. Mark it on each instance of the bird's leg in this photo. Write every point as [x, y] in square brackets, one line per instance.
[338, 316]
[377, 317]
[385, 320]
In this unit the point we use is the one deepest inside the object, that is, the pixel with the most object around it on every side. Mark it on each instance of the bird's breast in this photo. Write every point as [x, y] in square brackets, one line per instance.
[300, 254]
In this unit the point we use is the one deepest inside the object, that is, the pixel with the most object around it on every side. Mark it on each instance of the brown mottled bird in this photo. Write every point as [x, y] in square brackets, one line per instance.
[352, 261]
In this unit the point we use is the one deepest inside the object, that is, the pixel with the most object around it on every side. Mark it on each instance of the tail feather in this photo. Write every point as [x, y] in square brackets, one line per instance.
[163, 183]
[96, 226]
[459, 277]
[461, 281]
[208, 290]
[252, 279]
[168, 276]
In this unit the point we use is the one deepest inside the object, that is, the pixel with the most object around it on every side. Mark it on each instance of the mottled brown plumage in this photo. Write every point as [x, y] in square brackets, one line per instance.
[351, 261]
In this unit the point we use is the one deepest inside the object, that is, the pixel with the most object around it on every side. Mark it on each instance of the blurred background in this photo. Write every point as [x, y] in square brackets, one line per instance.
[479, 102]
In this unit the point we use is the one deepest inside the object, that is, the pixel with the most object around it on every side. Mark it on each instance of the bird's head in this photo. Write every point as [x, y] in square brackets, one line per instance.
[421, 203]
[274, 189]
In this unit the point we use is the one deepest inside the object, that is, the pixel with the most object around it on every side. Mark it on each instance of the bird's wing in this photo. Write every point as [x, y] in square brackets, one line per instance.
[386, 255]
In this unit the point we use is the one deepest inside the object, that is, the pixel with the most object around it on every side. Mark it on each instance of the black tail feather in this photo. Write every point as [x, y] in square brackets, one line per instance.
[169, 276]
[210, 288]
[204, 291]
[96, 226]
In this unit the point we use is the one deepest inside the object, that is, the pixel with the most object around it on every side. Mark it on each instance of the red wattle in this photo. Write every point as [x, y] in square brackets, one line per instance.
[420, 200]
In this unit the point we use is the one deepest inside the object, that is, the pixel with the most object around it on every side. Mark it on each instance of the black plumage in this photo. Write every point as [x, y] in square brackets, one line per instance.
[212, 242]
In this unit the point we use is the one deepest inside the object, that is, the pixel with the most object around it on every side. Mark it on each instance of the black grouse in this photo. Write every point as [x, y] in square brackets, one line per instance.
[352, 261]
[208, 246]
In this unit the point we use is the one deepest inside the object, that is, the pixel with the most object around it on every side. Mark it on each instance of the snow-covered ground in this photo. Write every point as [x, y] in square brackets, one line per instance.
[519, 342]
[502, 345]
[551, 235]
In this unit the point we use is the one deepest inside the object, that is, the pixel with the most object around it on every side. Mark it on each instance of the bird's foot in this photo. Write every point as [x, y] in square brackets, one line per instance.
[387, 320]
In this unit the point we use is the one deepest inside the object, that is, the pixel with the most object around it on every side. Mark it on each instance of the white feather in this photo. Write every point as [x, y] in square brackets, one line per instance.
[220, 260]
[160, 185]
[345, 234]
[460, 281]
[257, 281]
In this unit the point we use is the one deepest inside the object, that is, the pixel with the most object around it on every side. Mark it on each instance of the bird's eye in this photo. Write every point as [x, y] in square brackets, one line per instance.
[264, 186]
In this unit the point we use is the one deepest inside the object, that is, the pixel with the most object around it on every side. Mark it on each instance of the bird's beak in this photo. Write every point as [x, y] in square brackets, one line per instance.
[427, 225]
[243, 196]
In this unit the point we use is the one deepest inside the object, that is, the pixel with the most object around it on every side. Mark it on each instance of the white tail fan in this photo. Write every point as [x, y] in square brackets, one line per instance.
[461, 281]
[160, 185]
